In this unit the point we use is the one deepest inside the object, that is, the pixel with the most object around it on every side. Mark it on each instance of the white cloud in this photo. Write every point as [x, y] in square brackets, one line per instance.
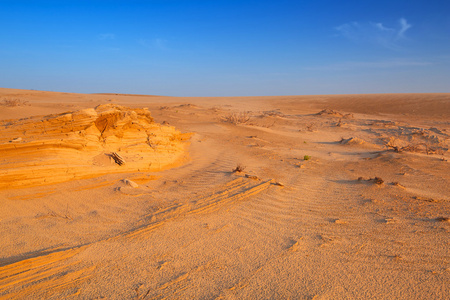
[381, 27]
[154, 43]
[375, 33]
[349, 30]
[383, 64]
[404, 27]
[107, 36]
[159, 43]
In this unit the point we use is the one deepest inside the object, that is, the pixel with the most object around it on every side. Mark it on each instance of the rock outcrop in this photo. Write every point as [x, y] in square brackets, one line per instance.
[73, 145]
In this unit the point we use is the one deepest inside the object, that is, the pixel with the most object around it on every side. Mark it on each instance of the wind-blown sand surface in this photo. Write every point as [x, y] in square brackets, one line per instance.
[340, 197]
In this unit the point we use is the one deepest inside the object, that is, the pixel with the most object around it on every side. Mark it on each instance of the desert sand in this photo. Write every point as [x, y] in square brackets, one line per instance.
[289, 197]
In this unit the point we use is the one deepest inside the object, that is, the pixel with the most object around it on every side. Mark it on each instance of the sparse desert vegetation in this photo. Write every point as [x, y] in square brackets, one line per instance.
[239, 168]
[13, 102]
[237, 118]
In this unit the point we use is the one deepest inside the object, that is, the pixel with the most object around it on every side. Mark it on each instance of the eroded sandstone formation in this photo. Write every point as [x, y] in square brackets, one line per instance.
[73, 145]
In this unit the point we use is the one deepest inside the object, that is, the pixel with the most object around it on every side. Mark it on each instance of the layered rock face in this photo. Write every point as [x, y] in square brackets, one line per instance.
[56, 148]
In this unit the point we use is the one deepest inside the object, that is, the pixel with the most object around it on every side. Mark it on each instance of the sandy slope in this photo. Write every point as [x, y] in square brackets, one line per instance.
[284, 228]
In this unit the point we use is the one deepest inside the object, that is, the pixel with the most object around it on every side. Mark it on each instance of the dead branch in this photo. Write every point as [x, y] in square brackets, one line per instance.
[117, 158]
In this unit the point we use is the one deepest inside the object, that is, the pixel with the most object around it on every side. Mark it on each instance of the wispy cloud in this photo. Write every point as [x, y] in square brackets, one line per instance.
[375, 33]
[107, 36]
[383, 64]
[404, 26]
[157, 43]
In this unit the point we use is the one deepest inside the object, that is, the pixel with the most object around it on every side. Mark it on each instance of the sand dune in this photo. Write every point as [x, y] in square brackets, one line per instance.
[336, 197]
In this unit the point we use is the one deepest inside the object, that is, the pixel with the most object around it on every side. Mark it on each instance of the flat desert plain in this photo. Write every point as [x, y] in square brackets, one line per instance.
[113, 196]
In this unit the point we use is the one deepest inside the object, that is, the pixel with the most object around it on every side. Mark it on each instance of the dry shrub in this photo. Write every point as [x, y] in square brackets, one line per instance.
[237, 118]
[413, 139]
[13, 102]
[254, 177]
[273, 113]
[329, 112]
[311, 127]
[239, 168]
[428, 147]
[376, 180]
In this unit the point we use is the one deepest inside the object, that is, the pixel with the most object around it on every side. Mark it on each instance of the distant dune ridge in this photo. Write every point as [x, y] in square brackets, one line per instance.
[118, 196]
[74, 145]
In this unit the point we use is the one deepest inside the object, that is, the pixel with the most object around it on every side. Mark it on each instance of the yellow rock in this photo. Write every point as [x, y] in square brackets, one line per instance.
[68, 146]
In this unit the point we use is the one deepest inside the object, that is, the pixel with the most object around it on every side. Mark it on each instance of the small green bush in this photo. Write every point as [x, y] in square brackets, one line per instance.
[306, 157]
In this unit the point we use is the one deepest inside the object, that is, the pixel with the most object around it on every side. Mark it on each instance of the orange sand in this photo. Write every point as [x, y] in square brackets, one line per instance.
[305, 219]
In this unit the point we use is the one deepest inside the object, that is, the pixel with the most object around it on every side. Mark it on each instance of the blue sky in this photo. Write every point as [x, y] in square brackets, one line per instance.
[226, 48]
